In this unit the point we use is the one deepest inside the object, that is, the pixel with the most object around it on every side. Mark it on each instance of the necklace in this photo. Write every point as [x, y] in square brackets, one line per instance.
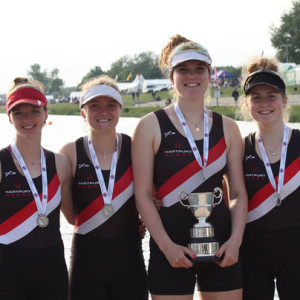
[103, 153]
[273, 152]
[195, 124]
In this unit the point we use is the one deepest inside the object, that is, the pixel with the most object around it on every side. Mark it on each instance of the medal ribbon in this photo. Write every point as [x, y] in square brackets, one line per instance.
[106, 193]
[191, 139]
[41, 205]
[282, 163]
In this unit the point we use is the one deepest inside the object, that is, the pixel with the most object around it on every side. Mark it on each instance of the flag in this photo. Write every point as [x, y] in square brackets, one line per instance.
[128, 77]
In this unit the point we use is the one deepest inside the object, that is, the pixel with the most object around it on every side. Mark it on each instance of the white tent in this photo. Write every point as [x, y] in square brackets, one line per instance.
[136, 85]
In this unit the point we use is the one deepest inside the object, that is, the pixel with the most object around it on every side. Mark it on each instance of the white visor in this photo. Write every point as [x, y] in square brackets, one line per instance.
[100, 90]
[183, 56]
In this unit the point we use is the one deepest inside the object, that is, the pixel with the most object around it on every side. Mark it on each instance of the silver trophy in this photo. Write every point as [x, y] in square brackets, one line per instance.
[203, 241]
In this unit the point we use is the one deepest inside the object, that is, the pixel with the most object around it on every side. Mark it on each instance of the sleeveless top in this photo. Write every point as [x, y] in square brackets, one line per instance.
[176, 169]
[18, 211]
[88, 201]
[262, 209]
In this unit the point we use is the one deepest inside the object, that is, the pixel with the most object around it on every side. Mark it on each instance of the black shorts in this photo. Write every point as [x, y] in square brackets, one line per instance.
[166, 280]
[268, 255]
[104, 268]
[33, 273]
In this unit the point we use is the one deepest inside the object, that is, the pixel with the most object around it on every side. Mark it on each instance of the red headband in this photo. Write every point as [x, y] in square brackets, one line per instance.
[25, 95]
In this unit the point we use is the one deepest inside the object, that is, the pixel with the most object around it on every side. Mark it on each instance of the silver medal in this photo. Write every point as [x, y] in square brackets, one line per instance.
[108, 210]
[278, 202]
[42, 221]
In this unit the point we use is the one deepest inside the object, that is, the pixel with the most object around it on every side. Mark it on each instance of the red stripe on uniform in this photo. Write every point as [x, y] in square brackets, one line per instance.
[268, 189]
[97, 204]
[26, 212]
[191, 169]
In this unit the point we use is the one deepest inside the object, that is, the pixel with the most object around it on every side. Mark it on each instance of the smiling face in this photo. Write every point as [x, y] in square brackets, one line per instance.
[102, 113]
[28, 119]
[191, 79]
[266, 104]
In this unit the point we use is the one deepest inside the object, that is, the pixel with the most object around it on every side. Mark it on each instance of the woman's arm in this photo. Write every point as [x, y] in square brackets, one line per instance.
[63, 167]
[146, 140]
[238, 199]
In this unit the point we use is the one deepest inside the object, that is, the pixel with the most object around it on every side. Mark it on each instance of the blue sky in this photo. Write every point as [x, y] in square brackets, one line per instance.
[74, 36]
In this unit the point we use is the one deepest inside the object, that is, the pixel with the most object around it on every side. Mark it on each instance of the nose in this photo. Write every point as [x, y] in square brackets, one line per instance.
[28, 116]
[191, 72]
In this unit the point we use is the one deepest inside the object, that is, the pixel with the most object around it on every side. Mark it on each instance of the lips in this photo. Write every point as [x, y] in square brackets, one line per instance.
[103, 120]
[192, 84]
[28, 126]
[265, 112]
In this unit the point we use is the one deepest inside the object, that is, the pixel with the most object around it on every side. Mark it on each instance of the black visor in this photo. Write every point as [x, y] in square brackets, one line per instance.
[264, 77]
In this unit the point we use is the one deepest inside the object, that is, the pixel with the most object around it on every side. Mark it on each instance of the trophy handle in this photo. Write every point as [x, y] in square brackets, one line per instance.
[186, 197]
[220, 195]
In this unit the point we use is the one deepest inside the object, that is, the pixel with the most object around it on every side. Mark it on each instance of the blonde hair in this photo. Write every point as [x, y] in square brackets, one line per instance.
[99, 80]
[22, 82]
[259, 64]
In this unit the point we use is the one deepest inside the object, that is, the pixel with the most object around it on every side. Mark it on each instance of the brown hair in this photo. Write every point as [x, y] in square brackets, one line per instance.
[259, 64]
[22, 82]
[165, 55]
[100, 80]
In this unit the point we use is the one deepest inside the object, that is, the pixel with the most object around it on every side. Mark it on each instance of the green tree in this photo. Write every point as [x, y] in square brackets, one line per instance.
[52, 83]
[35, 73]
[286, 37]
[94, 72]
[117, 68]
[145, 62]
[55, 84]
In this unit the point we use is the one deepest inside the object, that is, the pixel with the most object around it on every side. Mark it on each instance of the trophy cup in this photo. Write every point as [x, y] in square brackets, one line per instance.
[203, 242]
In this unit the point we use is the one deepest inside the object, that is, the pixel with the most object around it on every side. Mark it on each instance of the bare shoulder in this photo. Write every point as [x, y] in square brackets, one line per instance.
[147, 134]
[232, 132]
[228, 123]
[147, 124]
[231, 128]
[67, 148]
[148, 119]
[63, 166]
[61, 158]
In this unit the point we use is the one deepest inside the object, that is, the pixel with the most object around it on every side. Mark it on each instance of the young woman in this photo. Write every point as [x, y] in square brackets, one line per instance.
[34, 185]
[107, 260]
[271, 243]
[186, 147]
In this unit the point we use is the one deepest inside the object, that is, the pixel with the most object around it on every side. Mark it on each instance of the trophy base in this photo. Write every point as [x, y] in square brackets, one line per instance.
[205, 259]
[205, 249]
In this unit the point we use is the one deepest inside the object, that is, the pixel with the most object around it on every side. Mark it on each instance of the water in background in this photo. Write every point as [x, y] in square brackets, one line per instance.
[64, 129]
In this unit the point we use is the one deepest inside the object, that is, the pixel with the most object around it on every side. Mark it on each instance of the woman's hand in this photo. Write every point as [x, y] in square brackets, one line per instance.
[178, 256]
[230, 251]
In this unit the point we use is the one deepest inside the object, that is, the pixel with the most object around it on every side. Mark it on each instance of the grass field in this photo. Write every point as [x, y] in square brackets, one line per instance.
[138, 112]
